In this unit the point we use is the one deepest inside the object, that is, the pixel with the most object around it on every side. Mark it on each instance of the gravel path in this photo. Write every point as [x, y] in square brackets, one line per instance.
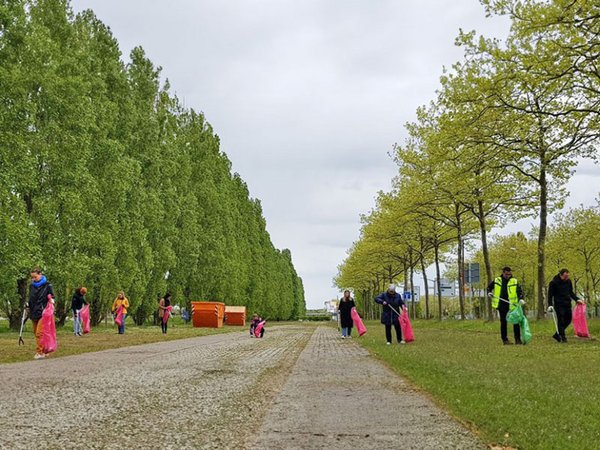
[207, 392]
[340, 397]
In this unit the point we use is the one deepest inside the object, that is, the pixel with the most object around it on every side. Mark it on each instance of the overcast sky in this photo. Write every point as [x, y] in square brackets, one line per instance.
[308, 97]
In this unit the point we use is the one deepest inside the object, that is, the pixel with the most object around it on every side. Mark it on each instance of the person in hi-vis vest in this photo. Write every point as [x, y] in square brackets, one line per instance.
[506, 293]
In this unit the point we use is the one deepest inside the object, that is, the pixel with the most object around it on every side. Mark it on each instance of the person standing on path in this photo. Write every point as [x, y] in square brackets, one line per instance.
[77, 303]
[506, 293]
[392, 306]
[345, 309]
[560, 295]
[121, 302]
[39, 291]
[163, 305]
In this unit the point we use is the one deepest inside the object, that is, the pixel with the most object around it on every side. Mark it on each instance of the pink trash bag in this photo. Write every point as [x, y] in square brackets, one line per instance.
[407, 332]
[167, 314]
[358, 323]
[259, 328]
[580, 322]
[85, 318]
[48, 340]
[119, 316]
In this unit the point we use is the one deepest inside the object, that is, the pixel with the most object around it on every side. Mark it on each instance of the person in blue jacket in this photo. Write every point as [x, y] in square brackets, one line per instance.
[389, 317]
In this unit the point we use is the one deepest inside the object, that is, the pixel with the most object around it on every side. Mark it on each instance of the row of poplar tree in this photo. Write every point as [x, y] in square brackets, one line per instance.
[504, 134]
[107, 181]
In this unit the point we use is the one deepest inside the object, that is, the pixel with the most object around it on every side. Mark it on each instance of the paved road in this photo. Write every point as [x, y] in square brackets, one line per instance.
[297, 388]
[340, 397]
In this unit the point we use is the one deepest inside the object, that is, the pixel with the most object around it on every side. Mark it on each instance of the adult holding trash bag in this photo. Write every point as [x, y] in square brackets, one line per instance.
[77, 303]
[164, 312]
[119, 309]
[392, 305]
[345, 309]
[560, 295]
[40, 293]
[506, 294]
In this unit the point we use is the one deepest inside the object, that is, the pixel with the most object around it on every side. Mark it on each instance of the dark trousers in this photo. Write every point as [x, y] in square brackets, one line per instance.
[163, 326]
[388, 331]
[503, 310]
[564, 315]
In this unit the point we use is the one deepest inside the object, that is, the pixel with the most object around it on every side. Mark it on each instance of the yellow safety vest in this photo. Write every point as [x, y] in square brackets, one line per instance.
[513, 298]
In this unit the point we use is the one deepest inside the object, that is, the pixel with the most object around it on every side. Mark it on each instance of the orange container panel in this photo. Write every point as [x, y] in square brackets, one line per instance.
[208, 314]
[235, 315]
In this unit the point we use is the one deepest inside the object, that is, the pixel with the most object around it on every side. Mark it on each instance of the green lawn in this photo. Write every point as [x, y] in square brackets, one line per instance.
[541, 396]
[101, 338]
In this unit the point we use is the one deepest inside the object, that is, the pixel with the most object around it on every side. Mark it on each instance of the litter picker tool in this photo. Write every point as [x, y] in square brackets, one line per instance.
[555, 320]
[405, 325]
[393, 309]
[23, 319]
[500, 298]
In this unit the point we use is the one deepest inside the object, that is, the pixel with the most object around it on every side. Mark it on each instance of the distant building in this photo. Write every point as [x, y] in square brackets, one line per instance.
[331, 307]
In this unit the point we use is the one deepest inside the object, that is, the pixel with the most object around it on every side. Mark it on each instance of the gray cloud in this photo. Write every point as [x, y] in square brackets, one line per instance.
[307, 97]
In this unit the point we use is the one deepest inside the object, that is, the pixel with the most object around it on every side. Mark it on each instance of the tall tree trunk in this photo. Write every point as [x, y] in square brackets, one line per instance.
[486, 256]
[438, 279]
[426, 286]
[97, 309]
[412, 285]
[14, 320]
[541, 250]
[461, 266]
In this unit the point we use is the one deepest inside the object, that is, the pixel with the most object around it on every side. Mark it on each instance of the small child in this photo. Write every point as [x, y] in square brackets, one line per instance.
[254, 324]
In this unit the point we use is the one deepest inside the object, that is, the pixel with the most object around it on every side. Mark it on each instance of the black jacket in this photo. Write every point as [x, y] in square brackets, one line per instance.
[345, 307]
[560, 293]
[389, 315]
[77, 301]
[38, 298]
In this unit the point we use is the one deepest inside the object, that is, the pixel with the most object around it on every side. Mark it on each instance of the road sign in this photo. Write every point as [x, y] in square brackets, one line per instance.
[447, 287]
[472, 275]
[407, 297]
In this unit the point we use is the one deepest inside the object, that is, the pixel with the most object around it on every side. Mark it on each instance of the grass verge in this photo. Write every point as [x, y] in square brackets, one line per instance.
[102, 337]
[540, 396]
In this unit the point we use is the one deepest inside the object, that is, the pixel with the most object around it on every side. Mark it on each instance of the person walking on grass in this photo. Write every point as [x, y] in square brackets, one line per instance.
[119, 308]
[163, 307]
[39, 291]
[345, 309]
[77, 303]
[506, 293]
[560, 295]
[392, 306]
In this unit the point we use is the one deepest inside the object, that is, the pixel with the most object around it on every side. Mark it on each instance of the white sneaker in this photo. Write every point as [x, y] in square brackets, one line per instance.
[388, 343]
[349, 337]
[39, 356]
[343, 337]
[403, 342]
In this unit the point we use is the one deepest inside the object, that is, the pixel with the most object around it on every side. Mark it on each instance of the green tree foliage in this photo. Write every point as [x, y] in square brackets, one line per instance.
[500, 141]
[107, 181]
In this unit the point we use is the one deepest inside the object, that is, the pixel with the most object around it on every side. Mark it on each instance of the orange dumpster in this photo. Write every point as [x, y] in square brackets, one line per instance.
[208, 314]
[235, 315]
